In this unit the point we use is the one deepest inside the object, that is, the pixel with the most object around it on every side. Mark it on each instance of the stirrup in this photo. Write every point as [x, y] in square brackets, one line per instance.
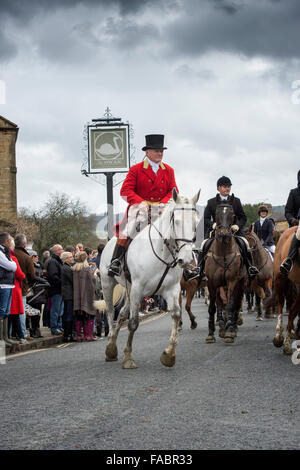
[115, 268]
[253, 271]
[286, 266]
[190, 274]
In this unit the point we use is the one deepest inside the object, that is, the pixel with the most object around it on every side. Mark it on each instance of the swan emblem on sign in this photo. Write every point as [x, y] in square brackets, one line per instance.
[108, 150]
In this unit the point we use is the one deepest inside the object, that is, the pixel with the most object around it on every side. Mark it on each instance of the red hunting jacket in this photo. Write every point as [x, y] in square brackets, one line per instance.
[142, 184]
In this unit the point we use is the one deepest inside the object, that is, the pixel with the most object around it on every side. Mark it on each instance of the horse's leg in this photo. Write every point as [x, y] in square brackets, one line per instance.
[133, 323]
[189, 297]
[111, 352]
[180, 305]
[287, 349]
[297, 330]
[168, 357]
[280, 285]
[268, 299]
[211, 312]
[235, 294]
[258, 304]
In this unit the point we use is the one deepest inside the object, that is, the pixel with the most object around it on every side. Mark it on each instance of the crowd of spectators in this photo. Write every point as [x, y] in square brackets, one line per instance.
[60, 288]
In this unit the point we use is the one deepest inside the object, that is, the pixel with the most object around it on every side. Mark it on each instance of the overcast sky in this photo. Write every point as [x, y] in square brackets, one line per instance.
[215, 76]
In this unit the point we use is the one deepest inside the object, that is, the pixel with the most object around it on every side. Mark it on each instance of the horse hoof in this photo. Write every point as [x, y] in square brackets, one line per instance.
[111, 352]
[179, 328]
[194, 325]
[278, 342]
[287, 350]
[210, 339]
[229, 337]
[240, 321]
[167, 360]
[259, 318]
[129, 364]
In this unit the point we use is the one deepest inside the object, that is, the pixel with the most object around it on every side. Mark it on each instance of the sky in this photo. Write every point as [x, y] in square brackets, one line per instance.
[219, 78]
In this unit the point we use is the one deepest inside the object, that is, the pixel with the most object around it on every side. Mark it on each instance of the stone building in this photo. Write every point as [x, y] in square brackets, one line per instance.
[8, 172]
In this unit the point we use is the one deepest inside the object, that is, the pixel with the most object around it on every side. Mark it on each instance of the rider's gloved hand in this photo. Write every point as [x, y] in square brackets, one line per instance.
[235, 228]
[144, 206]
[214, 226]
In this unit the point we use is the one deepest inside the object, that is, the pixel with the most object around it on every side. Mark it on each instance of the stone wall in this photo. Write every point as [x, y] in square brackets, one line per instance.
[8, 170]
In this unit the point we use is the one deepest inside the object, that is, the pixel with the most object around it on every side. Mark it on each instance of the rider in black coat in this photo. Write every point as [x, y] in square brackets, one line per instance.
[224, 187]
[292, 215]
[264, 230]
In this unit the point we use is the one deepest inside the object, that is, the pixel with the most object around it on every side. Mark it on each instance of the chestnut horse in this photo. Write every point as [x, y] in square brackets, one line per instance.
[282, 286]
[191, 288]
[262, 284]
[225, 270]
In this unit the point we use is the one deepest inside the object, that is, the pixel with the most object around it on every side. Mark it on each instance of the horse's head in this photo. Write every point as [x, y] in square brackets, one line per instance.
[183, 226]
[224, 220]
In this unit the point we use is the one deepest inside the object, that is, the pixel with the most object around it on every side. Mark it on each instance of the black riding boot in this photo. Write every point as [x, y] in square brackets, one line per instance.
[202, 256]
[247, 258]
[287, 264]
[115, 267]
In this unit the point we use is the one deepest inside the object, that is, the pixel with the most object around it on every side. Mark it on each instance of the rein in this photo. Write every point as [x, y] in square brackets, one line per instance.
[166, 241]
[256, 248]
[168, 245]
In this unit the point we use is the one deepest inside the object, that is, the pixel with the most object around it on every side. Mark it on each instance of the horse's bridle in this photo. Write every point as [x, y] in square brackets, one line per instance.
[257, 248]
[176, 239]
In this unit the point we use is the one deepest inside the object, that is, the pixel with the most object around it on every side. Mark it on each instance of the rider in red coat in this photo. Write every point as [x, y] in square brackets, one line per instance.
[147, 183]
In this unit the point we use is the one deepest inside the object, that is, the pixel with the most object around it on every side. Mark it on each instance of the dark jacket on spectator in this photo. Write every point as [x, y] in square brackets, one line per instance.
[67, 282]
[54, 269]
[27, 266]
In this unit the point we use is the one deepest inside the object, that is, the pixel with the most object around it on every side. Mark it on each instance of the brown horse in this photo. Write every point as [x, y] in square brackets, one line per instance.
[284, 285]
[262, 284]
[191, 288]
[225, 271]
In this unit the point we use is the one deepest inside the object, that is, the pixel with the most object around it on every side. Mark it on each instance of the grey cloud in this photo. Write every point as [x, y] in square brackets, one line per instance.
[8, 49]
[257, 28]
[186, 72]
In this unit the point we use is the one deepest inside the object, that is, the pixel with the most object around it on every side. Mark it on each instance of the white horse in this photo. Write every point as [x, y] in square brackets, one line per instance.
[155, 259]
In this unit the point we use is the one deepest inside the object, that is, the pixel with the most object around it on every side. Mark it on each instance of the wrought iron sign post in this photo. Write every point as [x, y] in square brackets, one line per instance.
[108, 153]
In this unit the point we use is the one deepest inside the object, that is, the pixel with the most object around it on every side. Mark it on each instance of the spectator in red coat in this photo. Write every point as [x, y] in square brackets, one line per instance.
[148, 183]
[17, 307]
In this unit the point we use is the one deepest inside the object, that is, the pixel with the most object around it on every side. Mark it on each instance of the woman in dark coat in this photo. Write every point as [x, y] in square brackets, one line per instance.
[67, 294]
[84, 284]
[263, 227]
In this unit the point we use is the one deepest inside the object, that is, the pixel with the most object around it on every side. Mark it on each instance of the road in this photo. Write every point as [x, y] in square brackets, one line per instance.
[217, 396]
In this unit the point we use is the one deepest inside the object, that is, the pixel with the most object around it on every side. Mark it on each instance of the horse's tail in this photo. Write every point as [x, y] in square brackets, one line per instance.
[100, 305]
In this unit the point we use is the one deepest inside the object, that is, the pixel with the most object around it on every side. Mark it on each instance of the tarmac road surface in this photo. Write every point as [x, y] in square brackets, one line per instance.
[217, 396]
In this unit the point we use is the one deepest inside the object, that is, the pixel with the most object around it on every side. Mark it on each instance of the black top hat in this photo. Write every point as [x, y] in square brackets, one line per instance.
[154, 141]
[224, 181]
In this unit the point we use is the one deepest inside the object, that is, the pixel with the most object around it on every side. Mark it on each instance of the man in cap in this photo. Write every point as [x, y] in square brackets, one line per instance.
[147, 184]
[224, 187]
[292, 215]
[263, 227]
